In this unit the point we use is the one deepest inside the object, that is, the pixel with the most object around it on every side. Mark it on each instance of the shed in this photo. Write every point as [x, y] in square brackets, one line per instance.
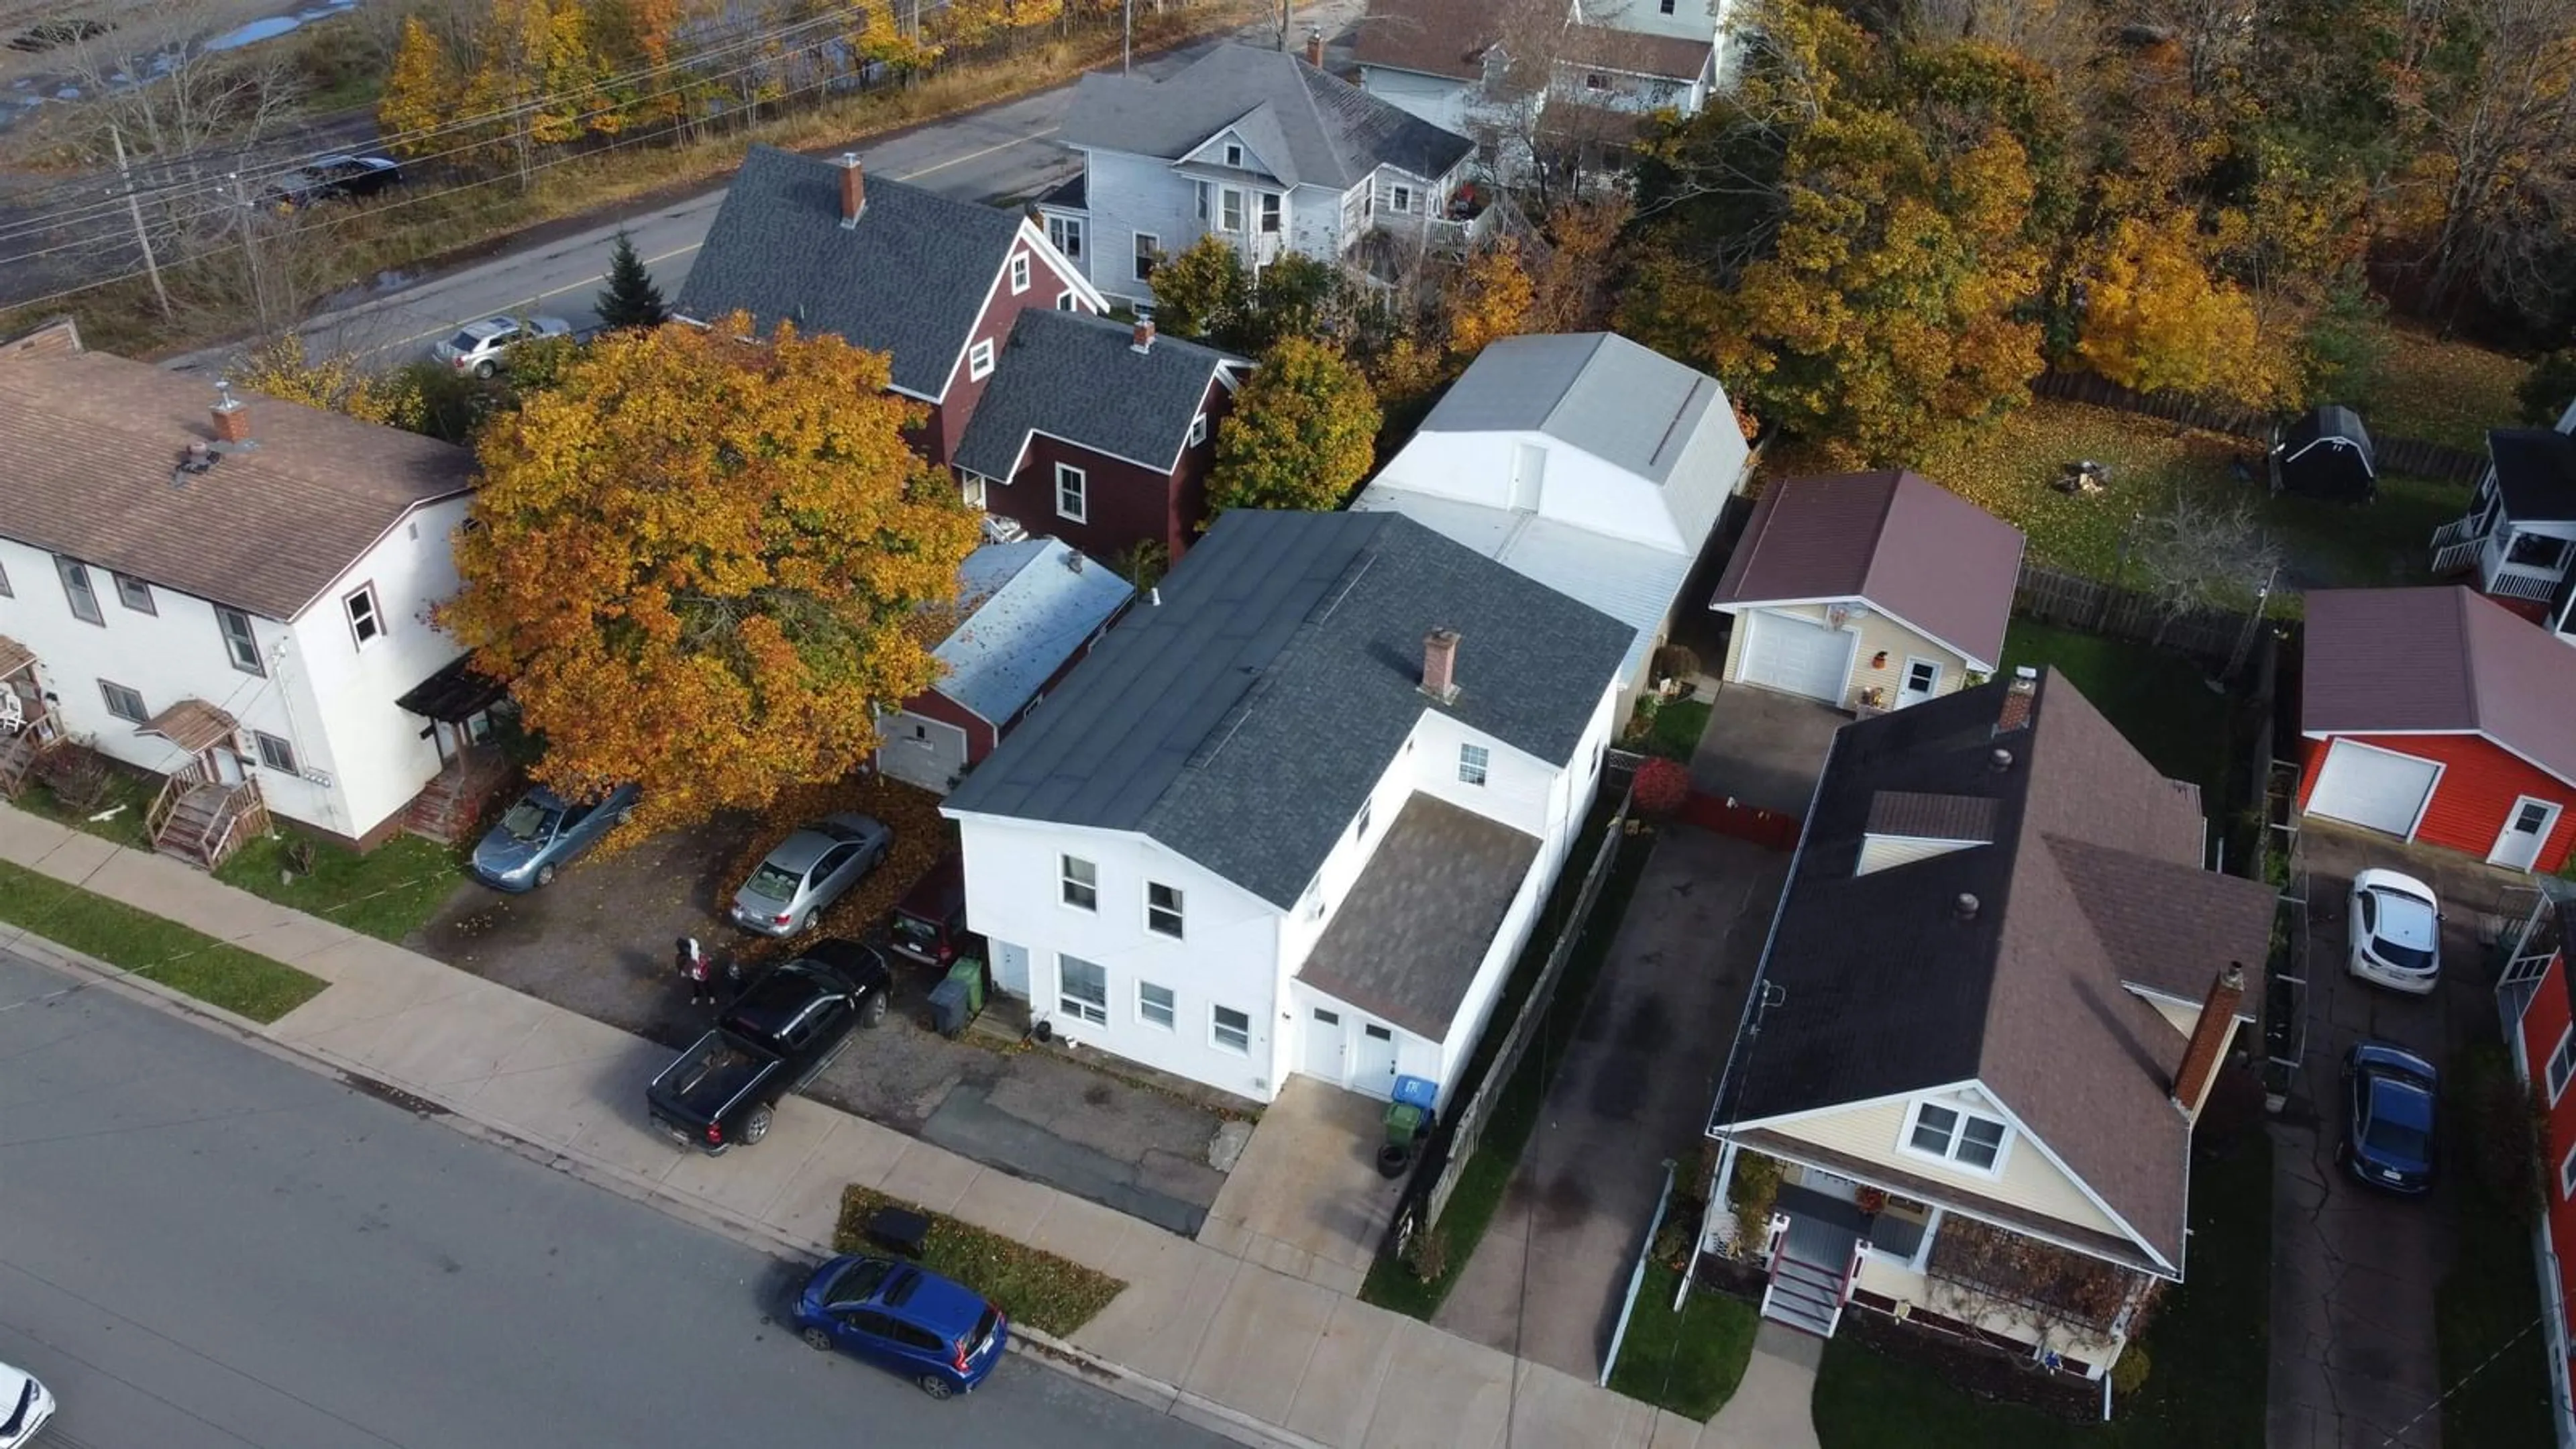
[2326, 455]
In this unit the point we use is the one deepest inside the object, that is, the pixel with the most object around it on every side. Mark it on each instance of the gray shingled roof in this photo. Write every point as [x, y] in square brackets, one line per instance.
[1080, 378]
[1630, 406]
[2536, 470]
[2092, 885]
[909, 280]
[1333, 133]
[1241, 721]
[2438, 660]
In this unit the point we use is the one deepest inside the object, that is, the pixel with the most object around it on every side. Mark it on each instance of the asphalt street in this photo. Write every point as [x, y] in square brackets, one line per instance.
[203, 1245]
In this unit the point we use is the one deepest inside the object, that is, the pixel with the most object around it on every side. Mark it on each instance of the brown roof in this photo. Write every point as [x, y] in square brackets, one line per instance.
[14, 656]
[1405, 945]
[2093, 885]
[93, 442]
[1434, 37]
[1920, 816]
[1899, 541]
[1664, 56]
[2444, 660]
[191, 724]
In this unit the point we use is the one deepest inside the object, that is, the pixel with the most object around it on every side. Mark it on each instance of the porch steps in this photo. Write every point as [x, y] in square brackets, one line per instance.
[18, 754]
[1804, 1296]
[189, 833]
[451, 804]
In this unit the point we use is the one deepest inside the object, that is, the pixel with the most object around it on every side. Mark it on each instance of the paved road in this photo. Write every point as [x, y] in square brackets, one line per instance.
[201, 1245]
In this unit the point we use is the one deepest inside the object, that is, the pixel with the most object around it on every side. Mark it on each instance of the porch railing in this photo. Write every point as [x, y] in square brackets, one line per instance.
[2513, 583]
[2458, 530]
[174, 788]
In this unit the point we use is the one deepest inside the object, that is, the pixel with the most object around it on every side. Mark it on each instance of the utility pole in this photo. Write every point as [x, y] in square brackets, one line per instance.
[1284, 7]
[1127, 36]
[134, 208]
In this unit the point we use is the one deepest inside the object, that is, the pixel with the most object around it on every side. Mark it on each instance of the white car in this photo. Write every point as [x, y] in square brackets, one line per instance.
[25, 1404]
[2396, 931]
[477, 347]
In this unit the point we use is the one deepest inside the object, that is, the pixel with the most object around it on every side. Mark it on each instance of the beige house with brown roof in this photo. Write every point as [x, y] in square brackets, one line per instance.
[227, 590]
[1996, 997]
[1868, 591]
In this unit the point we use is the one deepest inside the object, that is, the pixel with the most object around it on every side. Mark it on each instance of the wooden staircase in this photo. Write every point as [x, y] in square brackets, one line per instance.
[18, 755]
[202, 821]
[1812, 1267]
[451, 804]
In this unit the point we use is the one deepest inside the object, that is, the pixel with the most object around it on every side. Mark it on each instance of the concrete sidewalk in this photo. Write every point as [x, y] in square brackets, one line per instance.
[1261, 1355]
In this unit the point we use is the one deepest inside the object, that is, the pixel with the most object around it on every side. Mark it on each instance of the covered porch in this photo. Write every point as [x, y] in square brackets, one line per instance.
[28, 727]
[211, 803]
[466, 713]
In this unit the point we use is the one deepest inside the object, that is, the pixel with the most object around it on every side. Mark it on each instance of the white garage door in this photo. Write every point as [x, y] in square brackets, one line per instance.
[1788, 653]
[2373, 787]
[921, 751]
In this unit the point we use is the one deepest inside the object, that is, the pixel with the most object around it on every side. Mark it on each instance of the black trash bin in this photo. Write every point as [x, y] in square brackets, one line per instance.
[899, 1231]
[948, 1011]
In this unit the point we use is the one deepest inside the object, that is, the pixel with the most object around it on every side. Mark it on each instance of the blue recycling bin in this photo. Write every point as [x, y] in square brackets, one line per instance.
[1417, 1092]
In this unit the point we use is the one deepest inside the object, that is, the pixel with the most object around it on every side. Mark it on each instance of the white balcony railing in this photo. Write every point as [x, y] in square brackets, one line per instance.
[2514, 583]
[2458, 530]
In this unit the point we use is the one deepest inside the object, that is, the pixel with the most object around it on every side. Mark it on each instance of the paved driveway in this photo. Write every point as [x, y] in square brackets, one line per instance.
[1547, 1281]
[1764, 749]
[2353, 1271]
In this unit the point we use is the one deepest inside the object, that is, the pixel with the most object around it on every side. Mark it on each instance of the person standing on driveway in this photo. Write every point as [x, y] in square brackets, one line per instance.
[698, 972]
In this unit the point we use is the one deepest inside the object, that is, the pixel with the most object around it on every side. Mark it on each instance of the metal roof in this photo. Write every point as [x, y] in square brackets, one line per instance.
[1328, 132]
[1028, 607]
[2442, 660]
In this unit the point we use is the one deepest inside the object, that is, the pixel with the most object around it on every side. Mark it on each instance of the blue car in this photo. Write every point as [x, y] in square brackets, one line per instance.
[943, 1336]
[542, 834]
[2388, 1132]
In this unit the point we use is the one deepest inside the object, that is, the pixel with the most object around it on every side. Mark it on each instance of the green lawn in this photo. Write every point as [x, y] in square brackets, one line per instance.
[387, 893]
[1051, 1294]
[2160, 701]
[2444, 391]
[1678, 726]
[129, 798]
[1688, 1362]
[2492, 1292]
[239, 981]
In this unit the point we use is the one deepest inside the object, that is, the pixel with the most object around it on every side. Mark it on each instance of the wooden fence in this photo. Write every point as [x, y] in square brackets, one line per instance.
[2211, 636]
[2412, 456]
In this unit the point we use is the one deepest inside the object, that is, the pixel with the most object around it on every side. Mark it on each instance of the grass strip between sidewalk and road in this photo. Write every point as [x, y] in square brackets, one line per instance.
[1688, 1362]
[244, 983]
[1036, 1288]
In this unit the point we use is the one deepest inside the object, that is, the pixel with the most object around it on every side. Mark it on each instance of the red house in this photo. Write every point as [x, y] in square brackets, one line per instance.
[1099, 432]
[2436, 714]
[932, 282]
[2535, 996]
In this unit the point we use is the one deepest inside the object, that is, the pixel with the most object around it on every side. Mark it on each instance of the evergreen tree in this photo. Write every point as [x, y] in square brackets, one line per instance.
[630, 299]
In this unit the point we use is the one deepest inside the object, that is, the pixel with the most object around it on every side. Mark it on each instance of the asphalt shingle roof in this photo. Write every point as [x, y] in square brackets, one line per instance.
[1080, 378]
[2092, 884]
[2438, 659]
[1630, 406]
[1332, 133]
[2535, 469]
[909, 280]
[1408, 938]
[1242, 720]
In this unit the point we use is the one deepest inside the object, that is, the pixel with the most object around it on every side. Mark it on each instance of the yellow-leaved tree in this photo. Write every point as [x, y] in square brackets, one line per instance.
[1489, 298]
[420, 91]
[2155, 319]
[695, 561]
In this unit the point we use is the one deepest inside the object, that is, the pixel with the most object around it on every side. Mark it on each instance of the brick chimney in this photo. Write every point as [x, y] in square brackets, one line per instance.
[854, 190]
[1144, 334]
[232, 420]
[1440, 664]
[1315, 48]
[2208, 1035]
[2017, 700]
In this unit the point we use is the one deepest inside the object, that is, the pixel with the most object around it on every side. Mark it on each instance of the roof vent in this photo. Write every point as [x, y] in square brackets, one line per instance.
[1999, 761]
[1073, 560]
[1965, 907]
[194, 459]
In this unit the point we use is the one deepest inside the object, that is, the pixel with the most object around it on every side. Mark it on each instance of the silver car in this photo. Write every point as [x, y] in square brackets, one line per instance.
[808, 871]
[478, 347]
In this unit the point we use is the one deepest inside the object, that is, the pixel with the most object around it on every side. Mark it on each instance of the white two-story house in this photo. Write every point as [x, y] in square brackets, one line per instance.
[1298, 811]
[2518, 539]
[227, 590]
[1257, 146]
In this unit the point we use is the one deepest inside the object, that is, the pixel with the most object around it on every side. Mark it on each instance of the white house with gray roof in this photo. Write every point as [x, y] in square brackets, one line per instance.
[1256, 146]
[1593, 465]
[1298, 811]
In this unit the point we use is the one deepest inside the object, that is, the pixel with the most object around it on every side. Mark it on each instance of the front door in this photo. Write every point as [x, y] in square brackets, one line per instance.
[1922, 681]
[1529, 469]
[1011, 969]
[2526, 830]
[1324, 1045]
[1374, 1071]
[222, 766]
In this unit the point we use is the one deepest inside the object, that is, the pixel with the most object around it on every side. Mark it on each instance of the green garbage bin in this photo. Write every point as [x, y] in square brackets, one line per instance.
[1403, 1123]
[969, 972]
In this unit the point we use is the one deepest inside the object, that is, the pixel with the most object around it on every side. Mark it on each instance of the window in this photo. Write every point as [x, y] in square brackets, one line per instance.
[1198, 430]
[970, 487]
[1071, 493]
[366, 625]
[2567, 1174]
[1083, 990]
[2562, 1064]
[1154, 1005]
[6, 592]
[1973, 1142]
[979, 361]
[1665, 7]
[275, 753]
[1230, 1029]
[1399, 198]
[124, 703]
[77, 589]
[1019, 273]
[1233, 155]
[1081, 883]
[2536, 551]
[1270, 212]
[1229, 213]
[1066, 233]
[1472, 763]
[1064, 300]
[1149, 248]
[1359, 827]
[1163, 909]
[239, 641]
[1921, 676]
[134, 594]
[1199, 191]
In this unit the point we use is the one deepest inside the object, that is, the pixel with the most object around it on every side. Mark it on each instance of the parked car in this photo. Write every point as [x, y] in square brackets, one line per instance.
[2388, 1131]
[2396, 931]
[944, 1336]
[333, 178]
[809, 870]
[784, 1028]
[928, 927]
[542, 833]
[481, 347]
[28, 1405]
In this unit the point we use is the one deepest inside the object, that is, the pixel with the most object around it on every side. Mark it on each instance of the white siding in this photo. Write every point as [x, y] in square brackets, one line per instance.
[1577, 487]
[2029, 1180]
[1690, 20]
[1315, 221]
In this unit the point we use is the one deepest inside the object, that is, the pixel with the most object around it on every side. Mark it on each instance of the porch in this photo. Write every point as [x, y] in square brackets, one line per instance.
[28, 727]
[212, 803]
[465, 710]
[2510, 562]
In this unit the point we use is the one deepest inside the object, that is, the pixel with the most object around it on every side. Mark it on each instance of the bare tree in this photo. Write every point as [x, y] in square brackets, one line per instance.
[2202, 554]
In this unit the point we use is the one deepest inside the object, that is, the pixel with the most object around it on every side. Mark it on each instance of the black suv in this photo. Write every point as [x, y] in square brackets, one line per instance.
[783, 1029]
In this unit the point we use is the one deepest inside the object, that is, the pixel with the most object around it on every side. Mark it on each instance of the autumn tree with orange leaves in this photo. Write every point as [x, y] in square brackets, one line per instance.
[695, 561]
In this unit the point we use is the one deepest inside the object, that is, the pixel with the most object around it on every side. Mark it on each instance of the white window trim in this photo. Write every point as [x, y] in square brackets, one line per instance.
[2003, 1149]
[375, 614]
[1171, 1007]
[1219, 1042]
[2561, 1066]
[1483, 765]
[1905, 679]
[970, 488]
[979, 361]
[1360, 826]
[1080, 1007]
[1064, 229]
[1229, 199]
[2567, 1174]
[1019, 273]
[1234, 155]
[1065, 302]
[1141, 261]
[1399, 197]
[1198, 431]
[1065, 884]
[1082, 493]
[1178, 910]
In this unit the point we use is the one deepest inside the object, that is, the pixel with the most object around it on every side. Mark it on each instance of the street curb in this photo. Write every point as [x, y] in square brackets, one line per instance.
[1043, 1348]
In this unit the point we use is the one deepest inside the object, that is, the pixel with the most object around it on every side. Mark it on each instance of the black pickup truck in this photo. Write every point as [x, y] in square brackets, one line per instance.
[785, 1027]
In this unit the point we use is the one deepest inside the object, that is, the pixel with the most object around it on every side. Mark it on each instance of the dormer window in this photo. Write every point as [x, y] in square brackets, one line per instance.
[1957, 1136]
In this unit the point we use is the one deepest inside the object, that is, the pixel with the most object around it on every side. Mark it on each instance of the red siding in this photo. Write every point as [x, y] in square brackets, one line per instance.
[1124, 505]
[1003, 308]
[2543, 1022]
[931, 704]
[2480, 781]
[1189, 480]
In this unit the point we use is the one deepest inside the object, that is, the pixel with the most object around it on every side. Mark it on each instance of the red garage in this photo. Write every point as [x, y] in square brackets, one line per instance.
[2436, 715]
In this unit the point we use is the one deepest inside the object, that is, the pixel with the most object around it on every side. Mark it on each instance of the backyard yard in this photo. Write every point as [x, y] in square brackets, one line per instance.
[2161, 701]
